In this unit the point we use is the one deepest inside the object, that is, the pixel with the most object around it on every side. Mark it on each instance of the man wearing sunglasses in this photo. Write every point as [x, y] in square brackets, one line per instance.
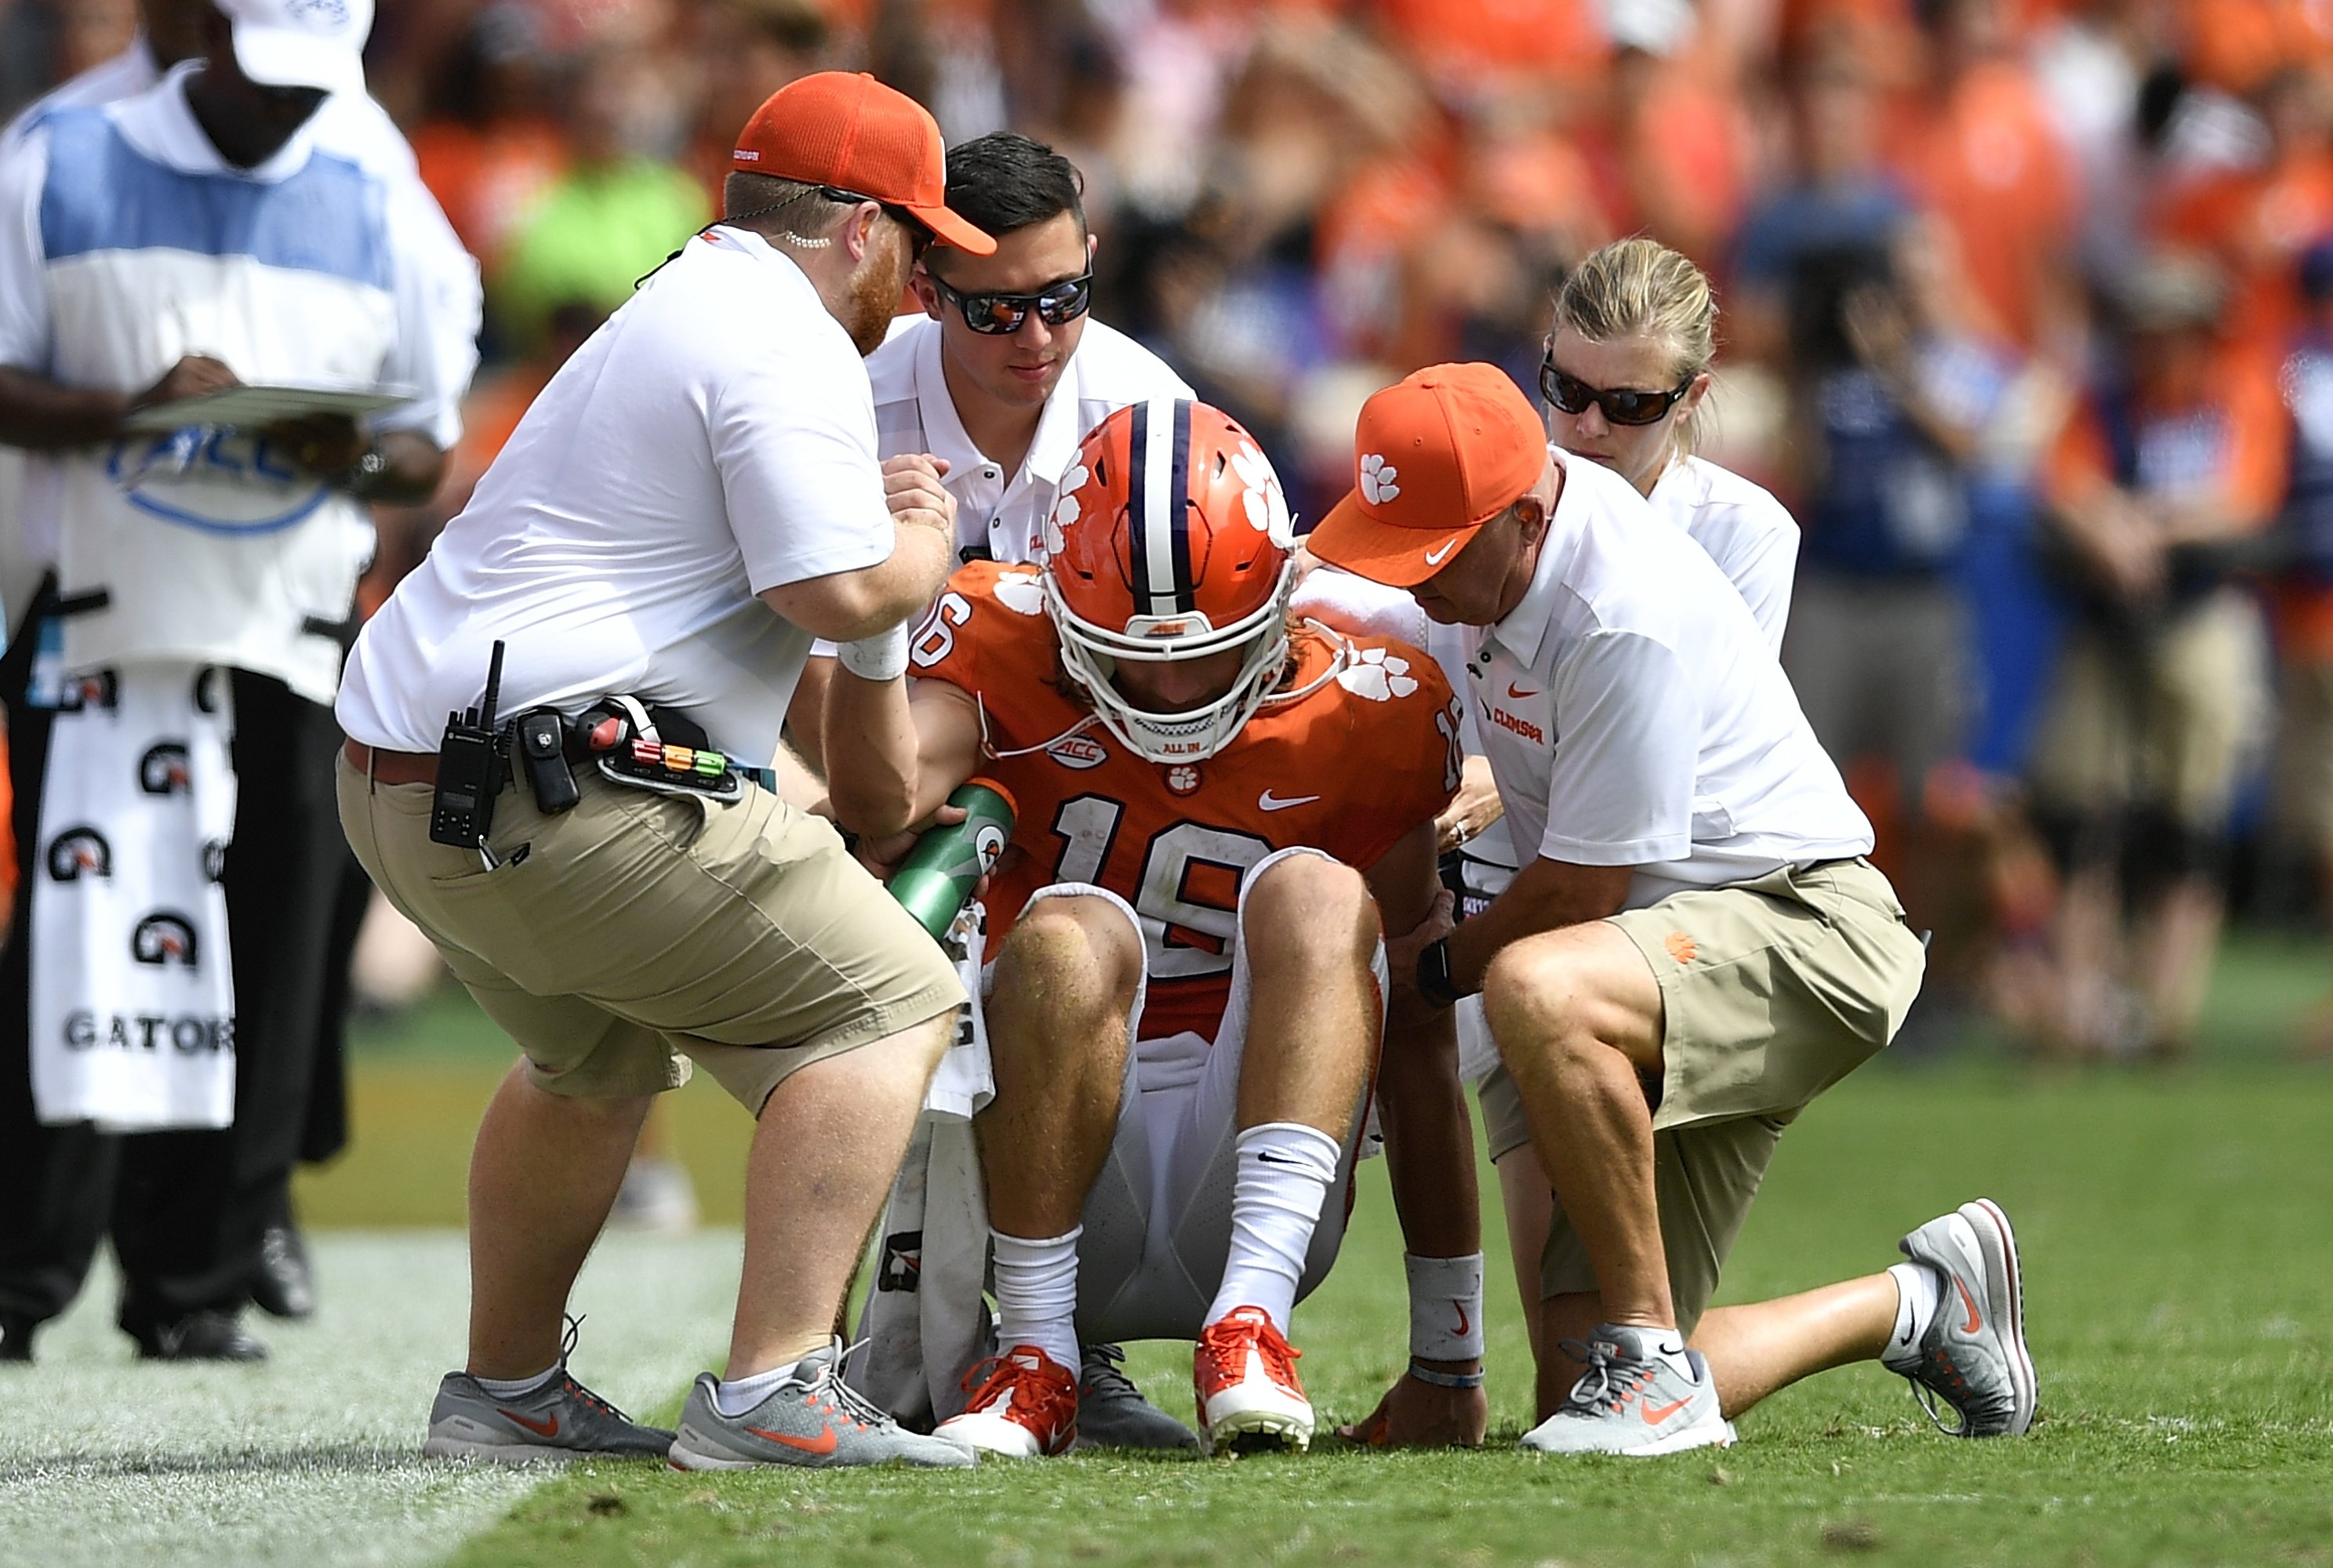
[1005, 370]
[1000, 378]
[1695, 950]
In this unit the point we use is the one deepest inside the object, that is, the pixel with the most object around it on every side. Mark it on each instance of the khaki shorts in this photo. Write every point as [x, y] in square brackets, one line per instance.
[2169, 723]
[1774, 990]
[617, 940]
[2304, 755]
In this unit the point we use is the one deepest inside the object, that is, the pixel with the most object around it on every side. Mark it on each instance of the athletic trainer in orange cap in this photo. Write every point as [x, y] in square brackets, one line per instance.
[858, 140]
[696, 496]
[1441, 454]
[1694, 948]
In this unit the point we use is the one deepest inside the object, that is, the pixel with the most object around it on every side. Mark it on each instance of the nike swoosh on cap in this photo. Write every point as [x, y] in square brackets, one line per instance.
[1434, 557]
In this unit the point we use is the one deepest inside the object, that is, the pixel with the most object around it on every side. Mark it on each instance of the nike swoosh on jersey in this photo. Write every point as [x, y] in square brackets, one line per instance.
[1272, 802]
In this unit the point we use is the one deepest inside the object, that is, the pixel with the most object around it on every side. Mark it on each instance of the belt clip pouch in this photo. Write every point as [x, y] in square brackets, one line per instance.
[542, 748]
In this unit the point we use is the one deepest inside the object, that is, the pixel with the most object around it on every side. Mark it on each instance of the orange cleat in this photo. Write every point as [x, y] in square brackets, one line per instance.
[1026, 1407]
[1249, 1397]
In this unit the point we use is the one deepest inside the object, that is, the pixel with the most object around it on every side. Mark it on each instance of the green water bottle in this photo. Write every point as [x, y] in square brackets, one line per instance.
[947, 863]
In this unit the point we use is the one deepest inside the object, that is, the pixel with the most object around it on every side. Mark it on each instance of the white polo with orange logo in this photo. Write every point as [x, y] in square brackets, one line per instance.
[1635, 715]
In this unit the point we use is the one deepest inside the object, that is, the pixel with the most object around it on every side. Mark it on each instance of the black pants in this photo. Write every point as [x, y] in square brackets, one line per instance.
[187, 1211]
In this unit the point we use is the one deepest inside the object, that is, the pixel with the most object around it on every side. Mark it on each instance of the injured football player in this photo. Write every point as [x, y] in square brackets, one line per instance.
[1220, 815]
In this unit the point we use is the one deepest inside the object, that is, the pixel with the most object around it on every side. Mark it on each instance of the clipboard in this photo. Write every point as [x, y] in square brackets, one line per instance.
[252, 406]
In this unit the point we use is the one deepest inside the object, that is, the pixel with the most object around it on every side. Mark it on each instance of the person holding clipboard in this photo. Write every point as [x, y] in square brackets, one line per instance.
[180, 819]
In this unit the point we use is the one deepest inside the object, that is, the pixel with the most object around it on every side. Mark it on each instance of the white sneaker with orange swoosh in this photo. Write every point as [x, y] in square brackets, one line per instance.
[1973, 1356]
[812, 1420]
[1634, 1399]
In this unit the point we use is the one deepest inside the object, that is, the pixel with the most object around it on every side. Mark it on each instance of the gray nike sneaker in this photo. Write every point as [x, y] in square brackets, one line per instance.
[1631, 1400]
[562, 1419]
[814, 1419]
[1973, 1355]
[1112, 1412]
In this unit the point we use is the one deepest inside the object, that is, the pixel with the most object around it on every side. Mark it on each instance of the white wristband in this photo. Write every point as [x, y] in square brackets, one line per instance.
[1445, 1306]
[881, 657]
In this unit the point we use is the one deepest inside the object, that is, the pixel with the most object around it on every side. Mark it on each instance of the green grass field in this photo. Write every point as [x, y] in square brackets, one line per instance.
[2178, 1234]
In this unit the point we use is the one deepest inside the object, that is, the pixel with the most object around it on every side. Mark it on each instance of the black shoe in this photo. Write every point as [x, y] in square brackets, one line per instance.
[1112, 1412]
[199, 1336]
[283, 1288]
[16, 1337]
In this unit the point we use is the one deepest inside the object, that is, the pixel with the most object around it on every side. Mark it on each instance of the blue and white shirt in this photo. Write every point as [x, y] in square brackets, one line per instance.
[127, 242]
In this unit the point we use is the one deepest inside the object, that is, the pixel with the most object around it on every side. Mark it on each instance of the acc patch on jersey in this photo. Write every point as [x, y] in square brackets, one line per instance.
[1078, 752]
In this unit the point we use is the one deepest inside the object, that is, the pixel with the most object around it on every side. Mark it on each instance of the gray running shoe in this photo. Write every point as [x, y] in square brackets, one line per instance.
[814, 1419]
[1631, 1400]
[1973, 1355]
[1112, 1412]
[562, 1419]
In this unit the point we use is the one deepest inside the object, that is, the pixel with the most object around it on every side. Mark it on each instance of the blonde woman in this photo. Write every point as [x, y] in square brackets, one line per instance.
[1625, 376]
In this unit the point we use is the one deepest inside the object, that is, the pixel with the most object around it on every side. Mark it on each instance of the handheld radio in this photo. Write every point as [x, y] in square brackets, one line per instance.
[470, 768]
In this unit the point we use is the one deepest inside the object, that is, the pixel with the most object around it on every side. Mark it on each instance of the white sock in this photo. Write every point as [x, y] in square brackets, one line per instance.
[1037, 1293]
[1669, 1345]
[516, 1388]
[736, 1396]
[1284, 1171]
[1918, 1290]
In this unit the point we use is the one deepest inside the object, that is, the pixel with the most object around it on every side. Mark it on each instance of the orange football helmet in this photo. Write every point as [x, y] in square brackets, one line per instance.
[1171, 540]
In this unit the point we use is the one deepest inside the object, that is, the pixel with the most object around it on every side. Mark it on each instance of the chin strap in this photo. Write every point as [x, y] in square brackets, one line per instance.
[1340, 661]
[988, 747]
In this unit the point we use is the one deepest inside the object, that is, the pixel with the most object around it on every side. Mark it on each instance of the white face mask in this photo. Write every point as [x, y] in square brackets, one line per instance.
[1091, 653]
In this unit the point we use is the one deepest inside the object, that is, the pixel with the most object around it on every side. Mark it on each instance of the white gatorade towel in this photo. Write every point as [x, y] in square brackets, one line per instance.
[132, 995]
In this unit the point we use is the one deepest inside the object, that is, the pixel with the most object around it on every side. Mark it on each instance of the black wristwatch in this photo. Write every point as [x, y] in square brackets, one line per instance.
[1433, 982]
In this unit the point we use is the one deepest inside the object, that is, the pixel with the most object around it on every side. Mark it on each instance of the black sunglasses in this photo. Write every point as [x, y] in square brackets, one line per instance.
[1620, 405]
[919, 238]
[998, 315]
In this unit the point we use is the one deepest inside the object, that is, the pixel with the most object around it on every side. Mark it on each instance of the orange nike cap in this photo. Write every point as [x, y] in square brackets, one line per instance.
[1435, 456]
[846, 129]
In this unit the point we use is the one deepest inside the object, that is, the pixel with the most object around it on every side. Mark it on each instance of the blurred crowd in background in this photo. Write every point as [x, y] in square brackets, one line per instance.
[2028, 317]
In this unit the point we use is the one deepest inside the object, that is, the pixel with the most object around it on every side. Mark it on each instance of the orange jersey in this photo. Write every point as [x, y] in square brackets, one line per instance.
[1348, 769]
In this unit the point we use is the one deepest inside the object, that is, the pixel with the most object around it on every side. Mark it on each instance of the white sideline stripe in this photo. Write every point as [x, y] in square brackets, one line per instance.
[315, 1456]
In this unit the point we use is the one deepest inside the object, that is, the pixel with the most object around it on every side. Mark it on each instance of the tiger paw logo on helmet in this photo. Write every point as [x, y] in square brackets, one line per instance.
[1265, 503]
[1378, 477]
[1172, 541]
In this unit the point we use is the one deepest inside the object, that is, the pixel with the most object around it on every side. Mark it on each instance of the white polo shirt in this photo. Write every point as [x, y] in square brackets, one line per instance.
[715, 438]
[1750, 536]
[1634, 714]
[998, 516]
